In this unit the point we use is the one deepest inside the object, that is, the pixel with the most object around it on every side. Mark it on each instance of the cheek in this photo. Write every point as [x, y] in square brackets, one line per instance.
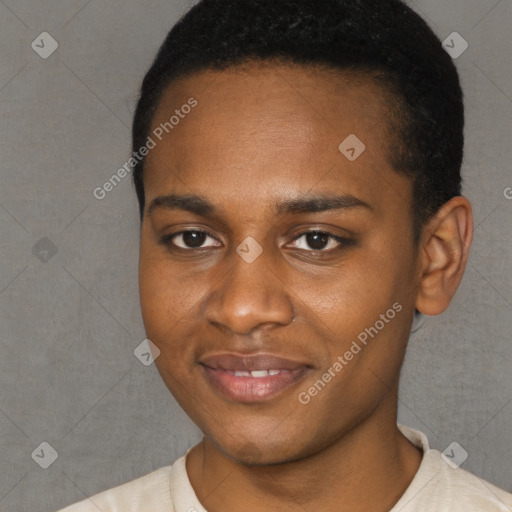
[350, 295]
[366, 302]
[170, 297]
[169, 313]
[163, 301]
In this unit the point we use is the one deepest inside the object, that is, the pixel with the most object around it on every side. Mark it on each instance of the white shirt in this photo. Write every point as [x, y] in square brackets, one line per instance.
[436, 487]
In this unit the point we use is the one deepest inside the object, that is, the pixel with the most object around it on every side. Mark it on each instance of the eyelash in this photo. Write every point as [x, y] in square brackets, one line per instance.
[168, 240]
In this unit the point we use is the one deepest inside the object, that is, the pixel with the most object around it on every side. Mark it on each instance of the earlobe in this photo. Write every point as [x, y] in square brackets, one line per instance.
[443, 254]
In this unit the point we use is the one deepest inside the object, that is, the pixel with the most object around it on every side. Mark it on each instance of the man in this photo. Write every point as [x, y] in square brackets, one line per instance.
[297, 166]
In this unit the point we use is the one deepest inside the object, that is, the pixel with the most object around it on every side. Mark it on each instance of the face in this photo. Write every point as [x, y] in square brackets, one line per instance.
[264, 246]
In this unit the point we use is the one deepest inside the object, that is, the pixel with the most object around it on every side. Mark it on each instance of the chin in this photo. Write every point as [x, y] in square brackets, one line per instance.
[259, 452]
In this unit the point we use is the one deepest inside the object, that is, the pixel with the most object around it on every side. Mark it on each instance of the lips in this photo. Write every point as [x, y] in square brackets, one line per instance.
[252, 378]
[249, 363]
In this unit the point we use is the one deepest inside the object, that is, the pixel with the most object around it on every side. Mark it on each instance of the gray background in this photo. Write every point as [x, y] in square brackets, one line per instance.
[69, 326]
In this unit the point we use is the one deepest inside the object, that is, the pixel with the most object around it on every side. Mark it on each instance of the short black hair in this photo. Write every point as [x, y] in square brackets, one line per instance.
[384, 39]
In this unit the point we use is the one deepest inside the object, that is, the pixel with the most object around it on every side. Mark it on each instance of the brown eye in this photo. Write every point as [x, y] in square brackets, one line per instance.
[317, 240]
[320, 241]
[193, 238]
[189, 239]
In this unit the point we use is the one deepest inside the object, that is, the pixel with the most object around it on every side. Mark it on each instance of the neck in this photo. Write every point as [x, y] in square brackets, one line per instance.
[368, 468]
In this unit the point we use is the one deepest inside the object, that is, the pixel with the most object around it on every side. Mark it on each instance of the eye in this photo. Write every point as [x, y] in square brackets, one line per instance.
[190, 239]
[320, 241]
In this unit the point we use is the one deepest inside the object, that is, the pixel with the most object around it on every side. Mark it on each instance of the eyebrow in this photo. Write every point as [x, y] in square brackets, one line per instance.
[202, 207]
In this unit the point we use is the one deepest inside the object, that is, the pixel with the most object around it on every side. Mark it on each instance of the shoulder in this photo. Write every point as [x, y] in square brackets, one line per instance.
[458, 490]
[484, 495]
[442, 486]
[145, 494]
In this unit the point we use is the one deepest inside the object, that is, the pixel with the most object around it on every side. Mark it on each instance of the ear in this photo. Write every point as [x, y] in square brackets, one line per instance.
[443, 253]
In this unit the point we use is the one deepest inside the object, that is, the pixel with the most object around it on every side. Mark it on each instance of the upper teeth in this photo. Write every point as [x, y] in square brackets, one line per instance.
[256, 373]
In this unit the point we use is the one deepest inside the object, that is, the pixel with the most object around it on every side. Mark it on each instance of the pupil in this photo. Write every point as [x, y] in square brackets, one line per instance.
[317, 240]
[194, 238]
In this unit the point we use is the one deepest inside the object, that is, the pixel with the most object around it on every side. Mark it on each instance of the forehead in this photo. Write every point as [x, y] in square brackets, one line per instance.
[277, 96]
[272, 126]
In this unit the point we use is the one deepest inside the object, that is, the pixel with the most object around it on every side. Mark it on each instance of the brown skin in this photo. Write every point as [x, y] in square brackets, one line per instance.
[259, 136]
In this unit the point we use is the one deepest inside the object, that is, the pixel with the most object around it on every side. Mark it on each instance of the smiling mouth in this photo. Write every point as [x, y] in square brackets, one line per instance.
[255, 373]
[252, 378]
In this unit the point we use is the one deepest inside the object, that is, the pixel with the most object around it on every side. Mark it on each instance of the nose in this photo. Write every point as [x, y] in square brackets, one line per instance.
[249, 297]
